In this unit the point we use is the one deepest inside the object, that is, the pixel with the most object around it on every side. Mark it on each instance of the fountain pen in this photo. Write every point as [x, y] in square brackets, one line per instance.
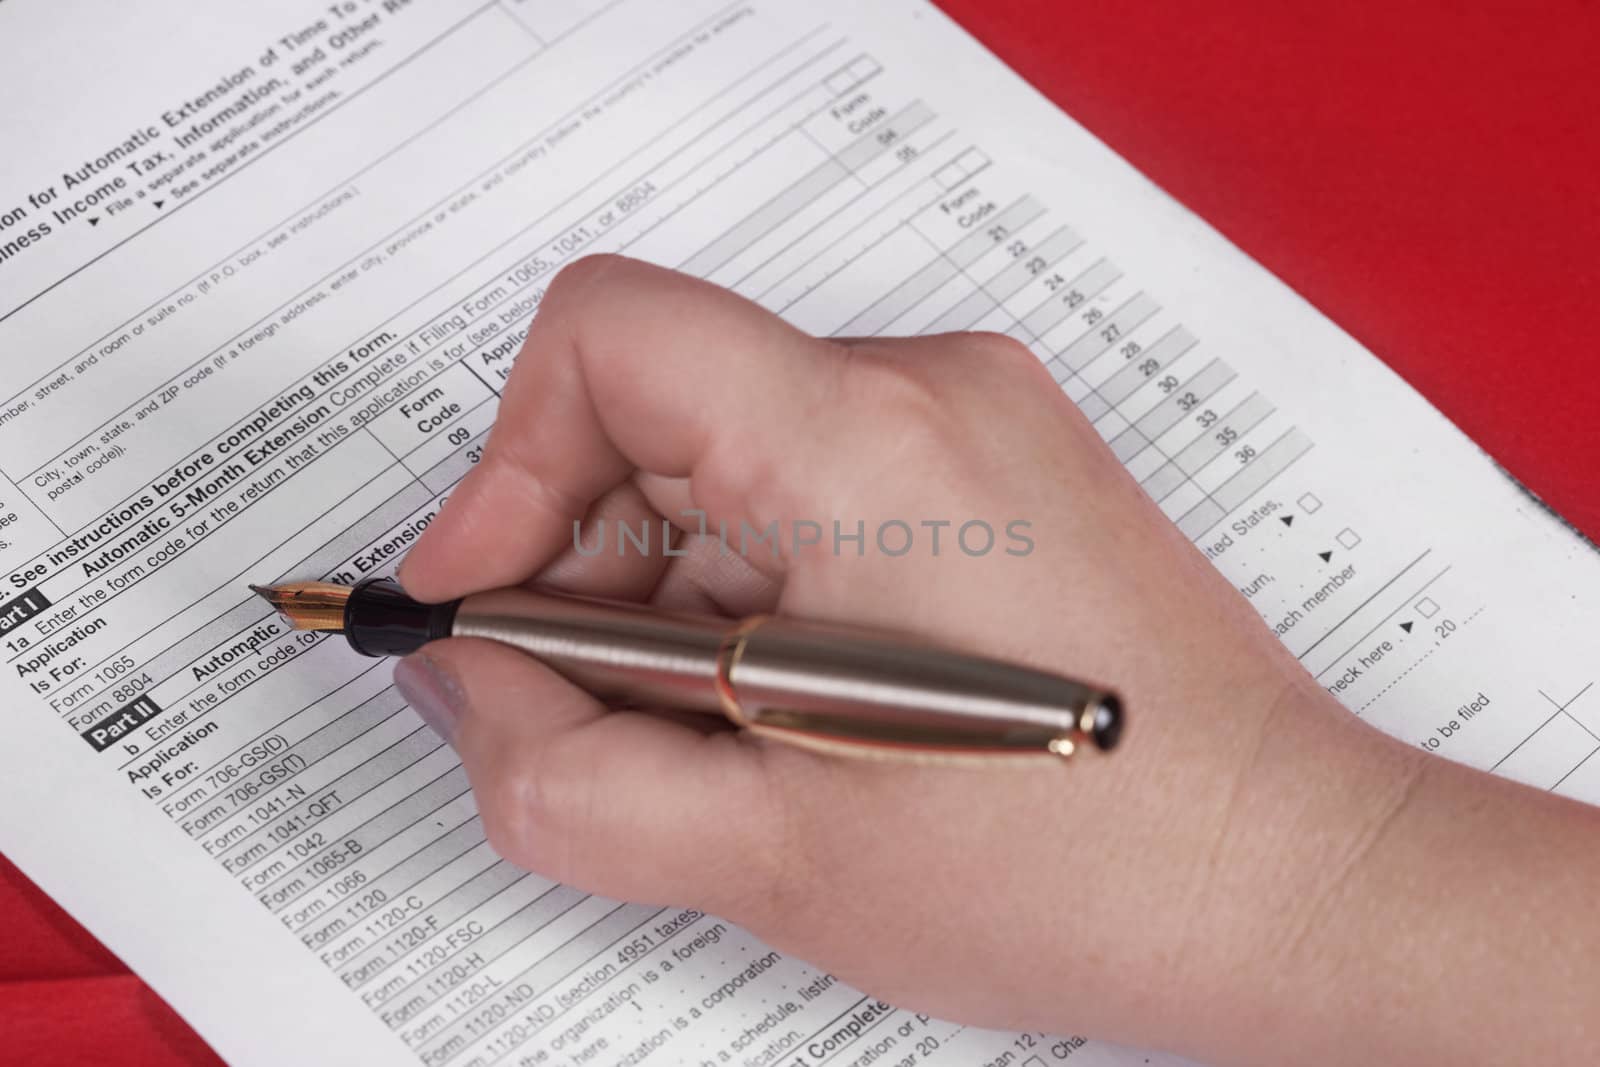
[838, 689]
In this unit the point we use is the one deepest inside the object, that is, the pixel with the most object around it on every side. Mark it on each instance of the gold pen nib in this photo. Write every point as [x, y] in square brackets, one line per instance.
[308, 605]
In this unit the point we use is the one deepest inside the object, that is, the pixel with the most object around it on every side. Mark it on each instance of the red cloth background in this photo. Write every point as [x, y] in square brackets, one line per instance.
[1424, 172]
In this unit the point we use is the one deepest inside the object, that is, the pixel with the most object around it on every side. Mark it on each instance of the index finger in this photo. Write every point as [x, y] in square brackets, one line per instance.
[627, 367]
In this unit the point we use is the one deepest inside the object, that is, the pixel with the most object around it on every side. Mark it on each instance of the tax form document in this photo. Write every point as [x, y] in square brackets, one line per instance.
[264, 269]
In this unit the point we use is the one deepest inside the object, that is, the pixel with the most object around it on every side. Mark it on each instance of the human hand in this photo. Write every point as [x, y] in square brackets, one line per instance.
[1123, 895]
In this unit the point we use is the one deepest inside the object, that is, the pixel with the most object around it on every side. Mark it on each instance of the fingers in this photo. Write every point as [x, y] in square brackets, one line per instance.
[627, 366]
[657, 561]
[623, 804]
[710, 579]
[590, 564]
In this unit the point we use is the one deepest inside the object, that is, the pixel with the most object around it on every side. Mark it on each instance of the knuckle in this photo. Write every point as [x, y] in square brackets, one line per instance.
[998, 358]
[528, 817]
[1000, 347]
[908, 413]
[907, 397]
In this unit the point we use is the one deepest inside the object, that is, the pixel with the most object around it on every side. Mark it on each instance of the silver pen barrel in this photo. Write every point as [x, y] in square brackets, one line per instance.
[840, 689]
[622, 653]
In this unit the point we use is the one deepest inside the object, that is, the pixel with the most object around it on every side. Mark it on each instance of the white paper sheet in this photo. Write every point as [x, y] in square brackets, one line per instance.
[250, 252]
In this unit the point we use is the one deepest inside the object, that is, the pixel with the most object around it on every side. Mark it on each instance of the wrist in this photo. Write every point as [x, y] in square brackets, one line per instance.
[1316, 789]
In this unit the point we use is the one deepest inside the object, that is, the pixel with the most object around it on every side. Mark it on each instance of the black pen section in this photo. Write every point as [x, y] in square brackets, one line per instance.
[380, 620]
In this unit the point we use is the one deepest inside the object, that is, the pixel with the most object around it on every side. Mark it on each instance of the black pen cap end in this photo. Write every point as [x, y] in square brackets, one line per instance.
[1105, 722]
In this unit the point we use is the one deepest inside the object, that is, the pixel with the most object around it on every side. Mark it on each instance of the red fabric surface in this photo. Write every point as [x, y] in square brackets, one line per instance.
[1424, 173]
[65, 999]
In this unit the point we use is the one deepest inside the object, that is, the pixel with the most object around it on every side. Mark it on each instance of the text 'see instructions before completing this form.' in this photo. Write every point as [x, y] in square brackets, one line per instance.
[263, 272]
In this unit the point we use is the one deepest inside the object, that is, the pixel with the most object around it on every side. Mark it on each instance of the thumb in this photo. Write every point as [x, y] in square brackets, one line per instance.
[619, 803]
